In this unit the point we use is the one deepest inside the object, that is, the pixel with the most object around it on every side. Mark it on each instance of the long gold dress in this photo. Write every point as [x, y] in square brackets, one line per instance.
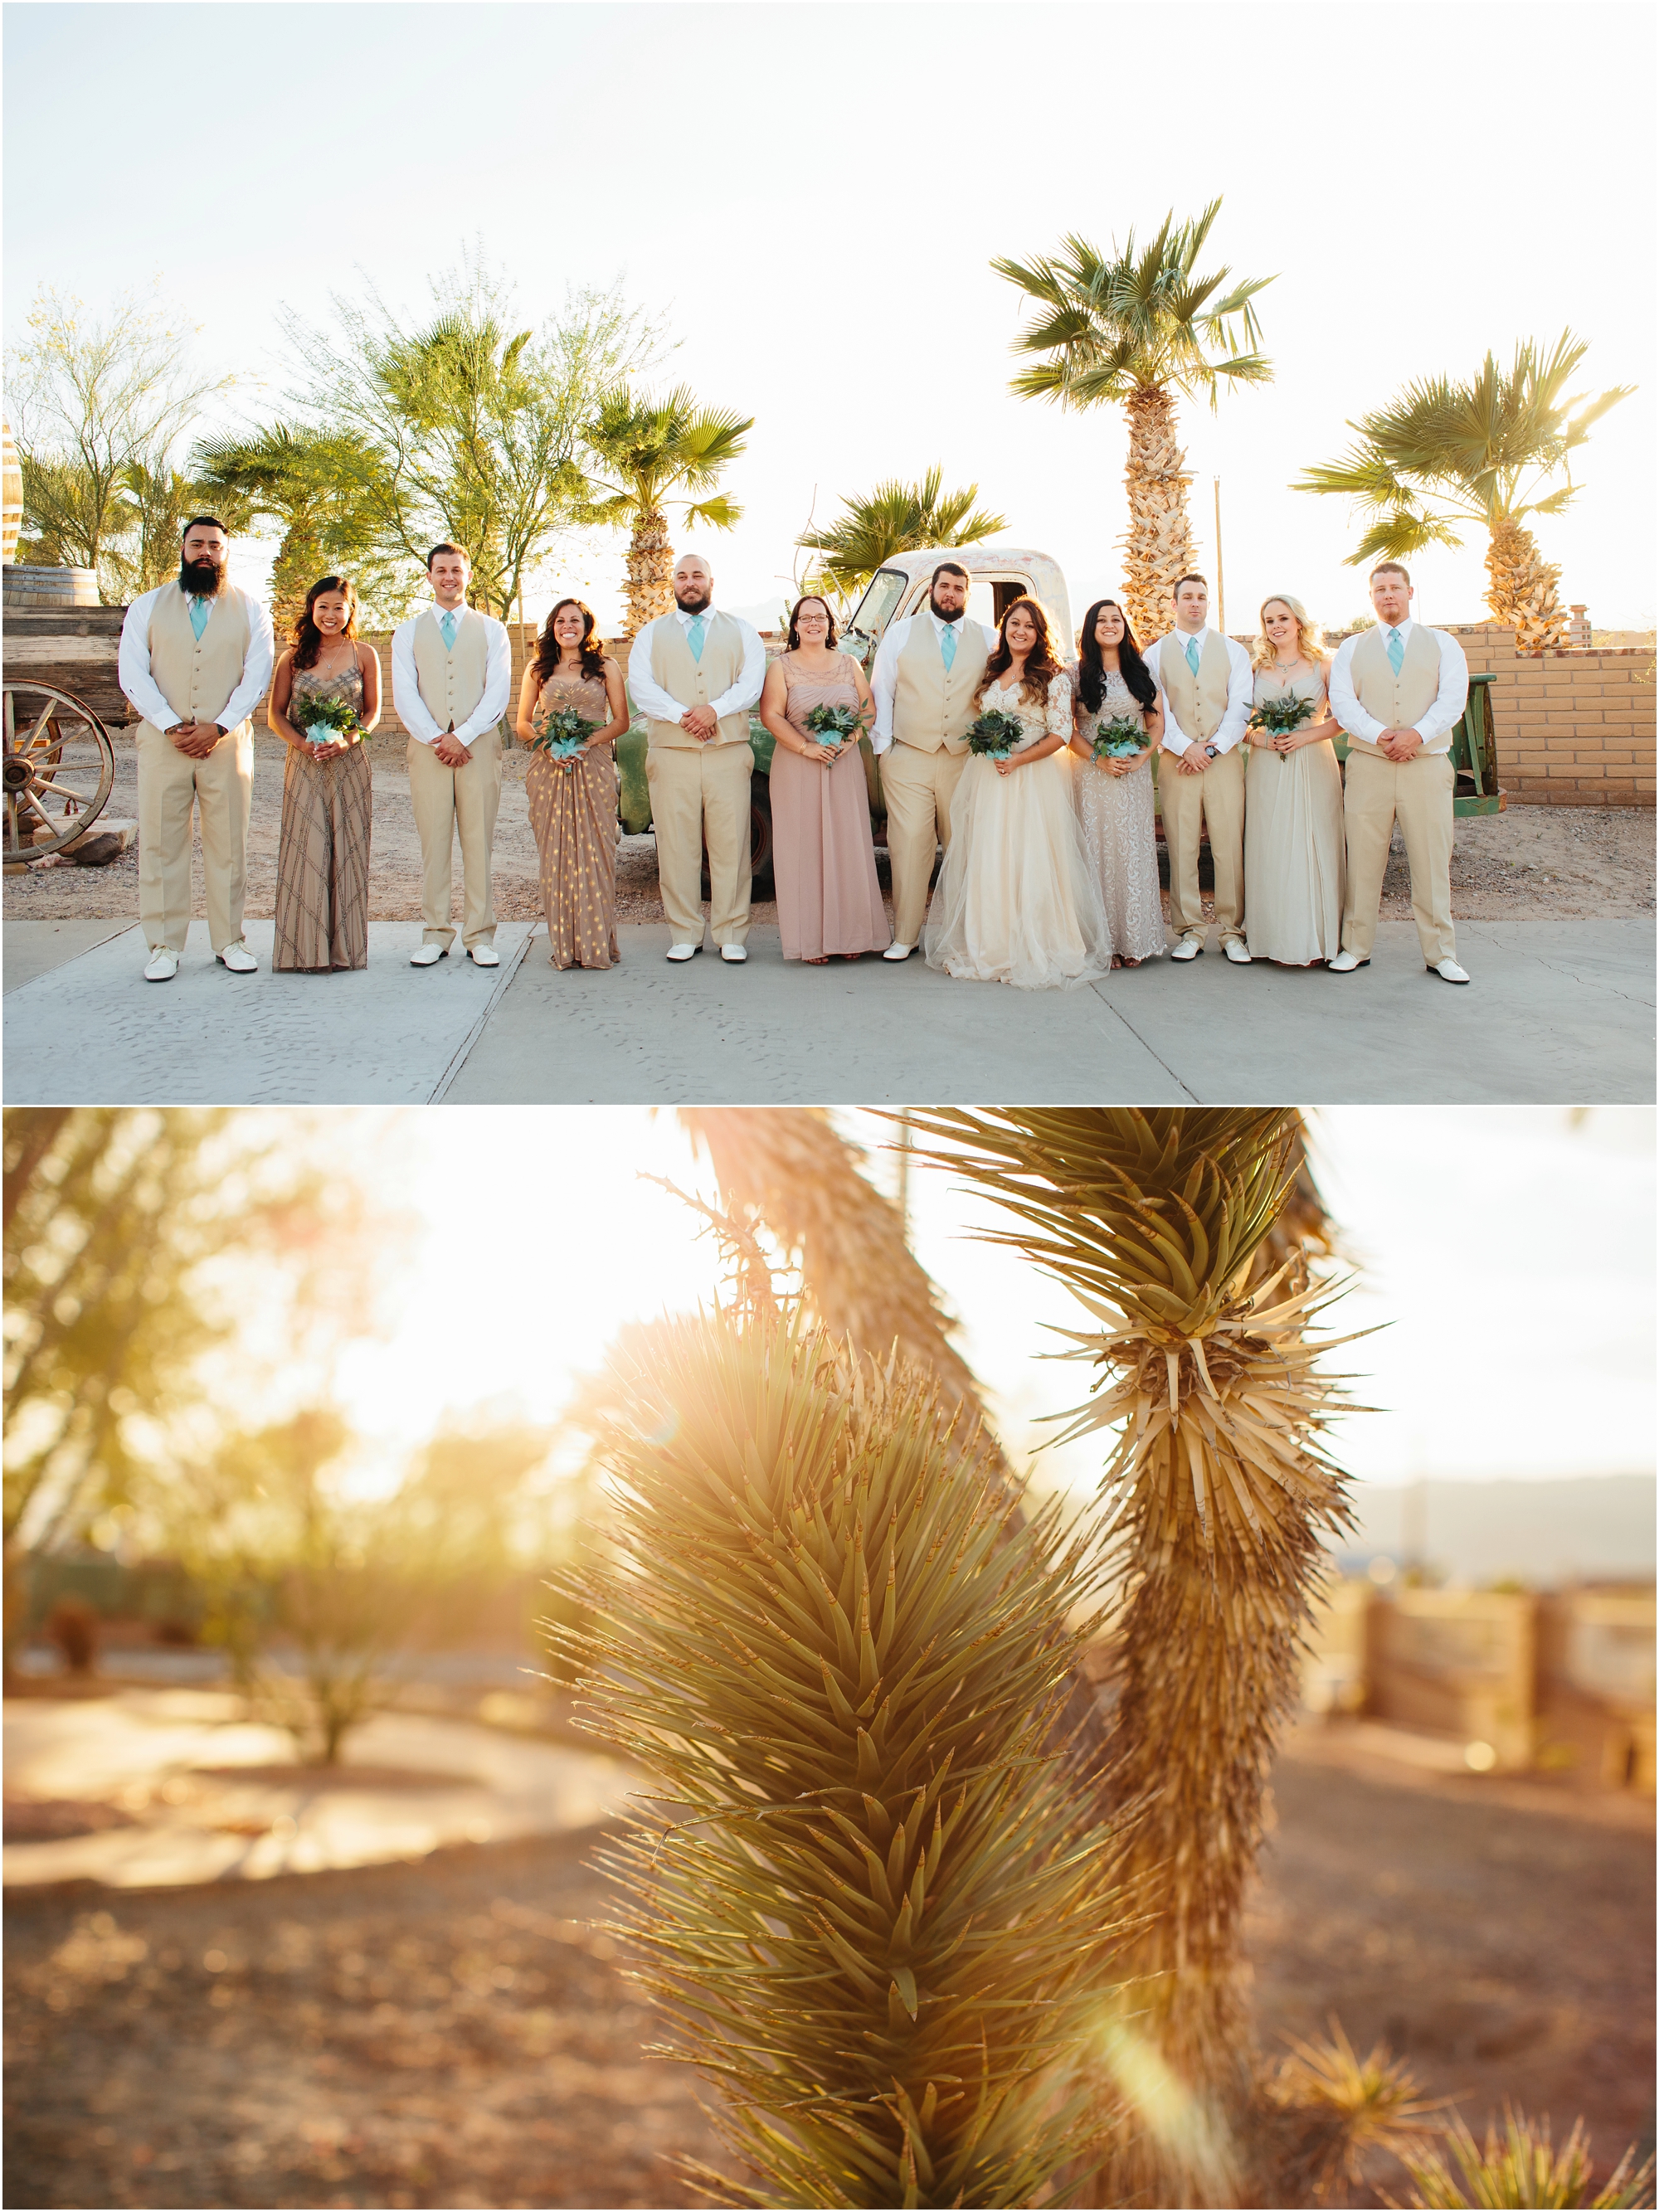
[322, 856]
[572, 812]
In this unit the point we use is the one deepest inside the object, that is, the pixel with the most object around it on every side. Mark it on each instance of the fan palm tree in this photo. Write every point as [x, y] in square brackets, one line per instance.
[293, 478]
[648, 449]
[1444, 454]
[1136, 329]
[896, 518]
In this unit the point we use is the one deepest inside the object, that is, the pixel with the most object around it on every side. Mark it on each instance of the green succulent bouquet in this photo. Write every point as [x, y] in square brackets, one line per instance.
[834, 726]
[1280, 716]
[328, 718]
[995, 734]
[563, 734]
[1119, 739]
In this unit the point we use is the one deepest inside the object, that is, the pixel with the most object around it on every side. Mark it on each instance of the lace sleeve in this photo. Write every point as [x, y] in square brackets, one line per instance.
[1059, 706]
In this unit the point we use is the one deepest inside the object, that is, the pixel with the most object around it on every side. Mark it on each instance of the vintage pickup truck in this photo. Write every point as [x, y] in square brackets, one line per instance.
[998, 575]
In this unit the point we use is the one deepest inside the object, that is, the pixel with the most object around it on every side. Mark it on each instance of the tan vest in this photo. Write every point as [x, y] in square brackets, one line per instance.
[197, 676]
[451, 679]
[932, 708]
[696, 682]
[1400, 700]
[1200, 702]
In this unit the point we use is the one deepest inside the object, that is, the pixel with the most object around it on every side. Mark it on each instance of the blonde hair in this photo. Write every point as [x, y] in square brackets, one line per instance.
[1309, 638]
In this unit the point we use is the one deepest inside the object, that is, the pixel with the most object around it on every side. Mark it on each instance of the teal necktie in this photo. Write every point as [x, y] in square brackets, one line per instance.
[694, 631]
[446, 623]
[1192, 655]
[199, 612]
[947, 645]
[1396, 651]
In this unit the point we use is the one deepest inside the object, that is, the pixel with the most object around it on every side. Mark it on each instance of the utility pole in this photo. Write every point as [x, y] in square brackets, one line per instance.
[904, 1174]
[1220, 585]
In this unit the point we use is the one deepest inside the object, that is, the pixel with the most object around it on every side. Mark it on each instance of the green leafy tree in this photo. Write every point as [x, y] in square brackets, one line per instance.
[92, 399]
[1133, 330]
[1444, 455]
[646, 454]
[304, 481]
[896, 518]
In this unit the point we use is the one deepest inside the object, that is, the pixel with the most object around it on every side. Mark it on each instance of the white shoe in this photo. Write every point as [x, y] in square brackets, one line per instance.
[238, 960]
[428, 955]
[897, 951]
[1187, 949]
[683, 951]
[1342, 963]
[163, 965]
[735, 953]
[1236, 950]
[484, 956]
[1450, 972]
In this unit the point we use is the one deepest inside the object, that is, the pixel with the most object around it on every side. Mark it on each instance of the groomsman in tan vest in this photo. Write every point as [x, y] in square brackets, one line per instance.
[695, 675]
[923, 682]
[1208, 689]
[1398, 690]
[452, 670]
[195, 660]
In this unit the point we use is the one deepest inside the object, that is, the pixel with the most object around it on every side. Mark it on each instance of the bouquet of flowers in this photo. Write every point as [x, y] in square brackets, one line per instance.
[328, 718]
[563, 734]
[1280, 716]
[995, 734]
[1119, 739]
[834, 726]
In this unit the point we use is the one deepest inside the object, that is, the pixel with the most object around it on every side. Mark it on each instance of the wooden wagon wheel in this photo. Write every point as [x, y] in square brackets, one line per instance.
[59, 770]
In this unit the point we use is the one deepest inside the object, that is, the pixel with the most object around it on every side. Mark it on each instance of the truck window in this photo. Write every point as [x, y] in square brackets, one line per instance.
[882, 595]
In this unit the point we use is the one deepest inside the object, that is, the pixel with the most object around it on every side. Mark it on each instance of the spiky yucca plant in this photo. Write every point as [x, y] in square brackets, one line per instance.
[1154, 1218]
[1335, 2106]
[1522, 2167]
[876, 1910]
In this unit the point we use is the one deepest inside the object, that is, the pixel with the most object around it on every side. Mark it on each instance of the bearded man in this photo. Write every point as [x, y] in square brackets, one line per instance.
[195, 662]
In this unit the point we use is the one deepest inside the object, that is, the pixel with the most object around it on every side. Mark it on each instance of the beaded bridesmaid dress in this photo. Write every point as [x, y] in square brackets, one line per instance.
[572, 812]
[1115, 814]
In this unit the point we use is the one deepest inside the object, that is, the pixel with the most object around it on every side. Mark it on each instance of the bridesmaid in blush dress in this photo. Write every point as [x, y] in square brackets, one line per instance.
[572, 804]
[824, 858]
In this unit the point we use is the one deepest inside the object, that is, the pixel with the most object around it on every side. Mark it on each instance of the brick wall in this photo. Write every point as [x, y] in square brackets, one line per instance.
[1574, 728]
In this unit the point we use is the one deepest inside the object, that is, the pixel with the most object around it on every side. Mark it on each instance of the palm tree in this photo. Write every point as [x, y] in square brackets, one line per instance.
[1138, 329]
[896, 518]
[1445, 454]
[649, 449]
[295, 478]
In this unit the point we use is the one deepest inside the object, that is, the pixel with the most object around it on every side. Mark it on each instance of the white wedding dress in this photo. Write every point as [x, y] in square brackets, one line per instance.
[1016, 902]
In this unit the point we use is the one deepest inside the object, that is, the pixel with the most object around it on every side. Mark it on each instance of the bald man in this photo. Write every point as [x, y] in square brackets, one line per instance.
[695, 675]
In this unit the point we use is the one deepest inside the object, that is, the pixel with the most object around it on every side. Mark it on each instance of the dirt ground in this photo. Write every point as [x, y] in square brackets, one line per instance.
[1532, 860]
[453, 2033]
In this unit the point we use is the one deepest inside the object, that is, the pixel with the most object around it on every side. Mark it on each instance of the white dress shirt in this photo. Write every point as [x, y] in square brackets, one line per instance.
[883, 677]
[1436, 726]
[660, 705]
[1241, 692]
[413, 712]
[132, 662]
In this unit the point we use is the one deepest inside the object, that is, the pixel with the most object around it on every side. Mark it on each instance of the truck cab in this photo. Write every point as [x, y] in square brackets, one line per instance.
[997, 575]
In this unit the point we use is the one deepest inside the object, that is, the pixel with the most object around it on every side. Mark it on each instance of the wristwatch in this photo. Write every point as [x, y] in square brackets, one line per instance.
[220, 728]
[1211, 752]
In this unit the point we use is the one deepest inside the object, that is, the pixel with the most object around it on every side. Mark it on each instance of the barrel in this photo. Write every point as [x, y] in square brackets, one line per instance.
[54, 590]
[11, 495]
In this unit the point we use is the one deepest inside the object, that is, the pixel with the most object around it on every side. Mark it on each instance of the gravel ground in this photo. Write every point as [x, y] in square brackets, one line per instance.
[453, 2033]
[1533, 859]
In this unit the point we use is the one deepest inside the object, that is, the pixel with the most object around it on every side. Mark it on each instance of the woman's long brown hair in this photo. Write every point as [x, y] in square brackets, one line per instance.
[1043, 662]
[548, 648]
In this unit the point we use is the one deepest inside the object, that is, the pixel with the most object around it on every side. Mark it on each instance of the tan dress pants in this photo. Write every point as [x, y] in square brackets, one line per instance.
[1189, 803]
[446, 800]
[1417, 792]
[698, 793]
[170, 787]
[919, 789]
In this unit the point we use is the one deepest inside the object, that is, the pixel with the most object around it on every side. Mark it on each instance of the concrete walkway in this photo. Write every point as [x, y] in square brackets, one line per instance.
[1559, 1012]
[168, 1761]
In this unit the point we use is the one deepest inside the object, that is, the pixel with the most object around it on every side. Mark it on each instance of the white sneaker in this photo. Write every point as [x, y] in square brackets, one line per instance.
[897, 951]
[1187, 949]
[1342, 962]
[683, 951]
[163, 965]
[484, 956]
[428, 955]
[1450, 972]
[238, 960]
[735, 953]
[1236, 950]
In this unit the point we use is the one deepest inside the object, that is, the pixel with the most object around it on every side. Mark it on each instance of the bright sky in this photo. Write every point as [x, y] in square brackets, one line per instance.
[1510, 1251]
[811, 194]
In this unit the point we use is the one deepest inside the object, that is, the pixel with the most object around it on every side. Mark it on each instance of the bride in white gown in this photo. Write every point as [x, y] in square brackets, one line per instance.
[1016, 902]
